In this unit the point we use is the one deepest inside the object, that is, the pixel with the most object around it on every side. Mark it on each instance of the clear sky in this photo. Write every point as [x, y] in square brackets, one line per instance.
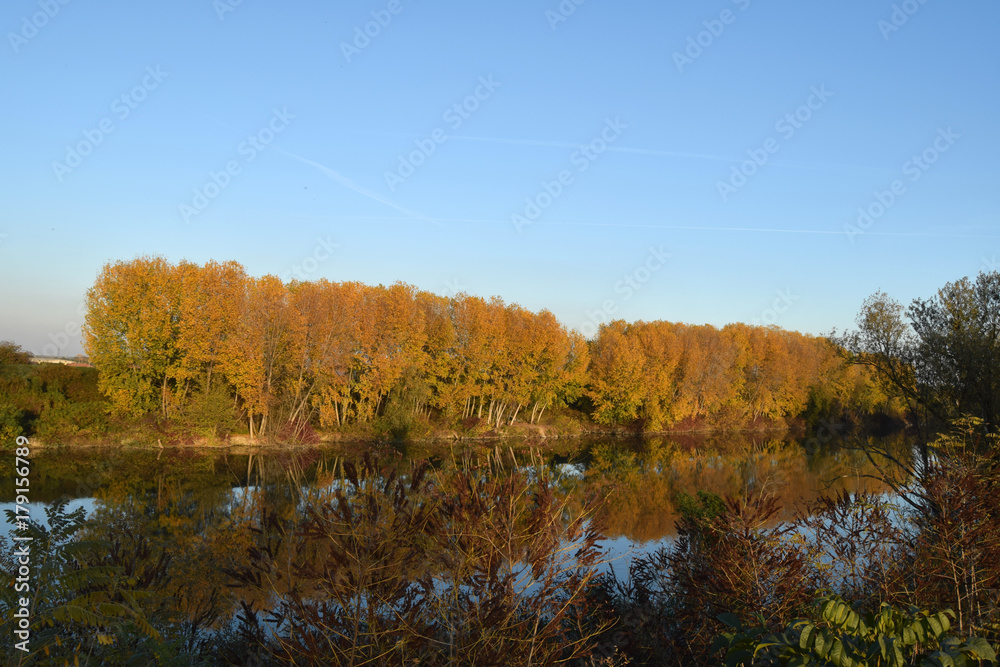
[715, 153]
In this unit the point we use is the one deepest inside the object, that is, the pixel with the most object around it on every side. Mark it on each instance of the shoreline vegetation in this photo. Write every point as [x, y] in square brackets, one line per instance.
[63, 417]
[202, 354]
[510, 435]
[206, 355]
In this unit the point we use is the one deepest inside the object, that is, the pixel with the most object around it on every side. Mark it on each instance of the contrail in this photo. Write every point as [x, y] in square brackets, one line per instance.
[570, 144]
[351, 185]
[662, 153]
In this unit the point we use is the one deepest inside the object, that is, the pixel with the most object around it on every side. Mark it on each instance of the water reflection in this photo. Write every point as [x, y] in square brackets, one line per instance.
[201, 515]
[642, 479]
[192, 492]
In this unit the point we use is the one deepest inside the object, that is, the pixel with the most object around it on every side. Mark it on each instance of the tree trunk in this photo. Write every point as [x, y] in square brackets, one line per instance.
[514, 416]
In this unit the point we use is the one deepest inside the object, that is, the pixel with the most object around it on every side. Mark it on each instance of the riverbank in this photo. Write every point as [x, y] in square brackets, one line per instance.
[164, 434]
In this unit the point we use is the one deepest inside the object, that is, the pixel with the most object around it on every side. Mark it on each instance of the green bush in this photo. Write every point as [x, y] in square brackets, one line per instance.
[11, 353]
[839, 636]
[211, 412]
[707, 506]
[10, 424]
[86, 607]
[50, 401]
[64, 418]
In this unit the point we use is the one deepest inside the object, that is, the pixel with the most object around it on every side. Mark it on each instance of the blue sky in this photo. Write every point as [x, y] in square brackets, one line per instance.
[656, 219]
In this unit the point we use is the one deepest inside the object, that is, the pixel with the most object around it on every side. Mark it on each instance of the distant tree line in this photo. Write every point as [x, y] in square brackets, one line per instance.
[207, 341]
[664, 373]
[209, 346]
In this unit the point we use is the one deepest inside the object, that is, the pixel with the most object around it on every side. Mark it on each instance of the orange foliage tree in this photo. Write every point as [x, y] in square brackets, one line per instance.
[323, 353]
[660, 374]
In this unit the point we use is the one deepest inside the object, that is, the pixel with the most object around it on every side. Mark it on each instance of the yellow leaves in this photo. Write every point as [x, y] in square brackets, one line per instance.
[666, 373]
[616, 374]
[162, 333]
[129, 331]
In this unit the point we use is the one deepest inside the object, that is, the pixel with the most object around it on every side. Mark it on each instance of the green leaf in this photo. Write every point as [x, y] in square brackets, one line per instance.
[731, 619]
[944, 620]
[939, 658]
[807, 632]
[918, 630]
[821, 647]
[981, 649]
[897, 654]
[842, 613]
[935, 626]
[838, 656]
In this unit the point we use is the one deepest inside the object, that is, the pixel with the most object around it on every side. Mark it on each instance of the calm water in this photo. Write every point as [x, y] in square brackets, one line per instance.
[190, 491]
[200, 507]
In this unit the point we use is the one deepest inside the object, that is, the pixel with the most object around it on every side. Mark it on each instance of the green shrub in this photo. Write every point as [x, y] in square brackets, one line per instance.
[10, 424]
[211, 412]
[64, 418]
[85, 608]
[839, 636]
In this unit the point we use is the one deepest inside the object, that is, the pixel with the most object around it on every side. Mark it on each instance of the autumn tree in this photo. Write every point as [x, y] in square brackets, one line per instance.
[617, 378]
[259, 353]
[209, 302]
[390, 337]
[131, 331]
[664, 373]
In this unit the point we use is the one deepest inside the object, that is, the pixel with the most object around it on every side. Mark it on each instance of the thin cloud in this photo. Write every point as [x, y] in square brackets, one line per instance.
[671, 154]
[351, 185]
[616, 149]
[727, 159]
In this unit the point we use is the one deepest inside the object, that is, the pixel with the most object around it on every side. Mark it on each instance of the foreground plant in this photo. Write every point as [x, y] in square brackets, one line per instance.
[839, 636]
[85, 601]
[481, 565]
